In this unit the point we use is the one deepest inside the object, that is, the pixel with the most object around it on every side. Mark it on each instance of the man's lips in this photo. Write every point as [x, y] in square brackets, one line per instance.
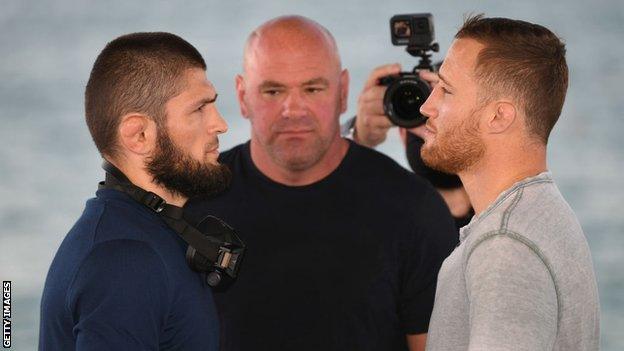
[214, 149]
[429, 129]
[295, 131]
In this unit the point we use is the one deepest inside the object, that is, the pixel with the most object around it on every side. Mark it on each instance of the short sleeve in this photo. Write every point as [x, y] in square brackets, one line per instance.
[118, 299]
[432, 238]
[512, 296]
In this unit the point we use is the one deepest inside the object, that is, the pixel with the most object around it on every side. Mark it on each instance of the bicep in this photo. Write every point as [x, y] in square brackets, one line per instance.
[512, 297]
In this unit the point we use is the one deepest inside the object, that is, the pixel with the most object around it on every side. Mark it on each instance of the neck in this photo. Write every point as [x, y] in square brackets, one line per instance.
[280, 174]
[139, 176]
[486, 180]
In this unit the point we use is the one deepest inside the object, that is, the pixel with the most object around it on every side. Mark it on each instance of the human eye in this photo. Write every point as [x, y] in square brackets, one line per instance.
[314, 89]
[200, 108]
[445, 90]
[271, 92]
[205, 103]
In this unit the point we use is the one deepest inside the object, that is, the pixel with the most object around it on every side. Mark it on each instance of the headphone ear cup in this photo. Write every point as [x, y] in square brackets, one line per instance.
[197, 261]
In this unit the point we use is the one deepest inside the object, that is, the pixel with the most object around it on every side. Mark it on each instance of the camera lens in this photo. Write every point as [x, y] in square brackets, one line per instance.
[402, 29]
[403, 99]
[406, 101]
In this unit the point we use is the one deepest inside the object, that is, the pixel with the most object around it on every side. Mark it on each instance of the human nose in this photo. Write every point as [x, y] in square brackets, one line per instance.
[218, 124]
[428, 108]
[294, 105]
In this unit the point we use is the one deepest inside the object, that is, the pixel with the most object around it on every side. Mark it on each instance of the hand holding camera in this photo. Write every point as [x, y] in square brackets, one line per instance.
[391, 97]
[372, 123]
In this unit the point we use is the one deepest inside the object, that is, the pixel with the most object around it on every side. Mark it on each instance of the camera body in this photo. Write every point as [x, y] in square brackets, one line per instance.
[407, 92]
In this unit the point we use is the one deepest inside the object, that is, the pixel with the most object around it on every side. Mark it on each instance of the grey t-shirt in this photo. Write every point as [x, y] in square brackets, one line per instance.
[521, 279]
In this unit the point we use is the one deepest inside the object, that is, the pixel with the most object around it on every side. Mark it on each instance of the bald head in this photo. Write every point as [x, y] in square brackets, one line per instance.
[289, 36]
[293, 91]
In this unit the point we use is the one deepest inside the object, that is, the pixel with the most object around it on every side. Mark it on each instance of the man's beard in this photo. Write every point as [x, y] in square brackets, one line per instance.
[183, 175]
[456, 149]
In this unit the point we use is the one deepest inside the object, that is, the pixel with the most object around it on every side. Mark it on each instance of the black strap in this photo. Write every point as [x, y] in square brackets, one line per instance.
[172, 215]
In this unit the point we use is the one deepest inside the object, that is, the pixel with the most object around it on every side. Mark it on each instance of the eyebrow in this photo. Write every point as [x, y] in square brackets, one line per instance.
[205, 101]
[274, 84]
[270, 84]
[317, 81]
[445, 80]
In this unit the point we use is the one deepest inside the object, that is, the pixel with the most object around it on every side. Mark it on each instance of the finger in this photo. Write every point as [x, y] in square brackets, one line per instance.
[418, 131]
[430, 77]
[381, 71]
[380, 122]
[370, 107]
[374, 93]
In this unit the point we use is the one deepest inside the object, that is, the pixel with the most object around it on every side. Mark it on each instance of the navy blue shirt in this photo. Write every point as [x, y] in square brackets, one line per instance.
[120, 281]
[347, 263]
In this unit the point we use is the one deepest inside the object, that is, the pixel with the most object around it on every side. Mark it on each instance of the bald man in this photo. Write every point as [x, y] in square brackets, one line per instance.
[344, 245]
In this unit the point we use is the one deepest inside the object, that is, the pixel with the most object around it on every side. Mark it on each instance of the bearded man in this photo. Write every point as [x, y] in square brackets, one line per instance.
[119, 280]
[522, 277]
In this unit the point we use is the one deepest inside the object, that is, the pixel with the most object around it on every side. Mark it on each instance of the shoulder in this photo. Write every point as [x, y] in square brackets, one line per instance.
[407, 197]
[120, 296]
[372, 165]
[541, 208]
[120, 267]
[392, 181]
[124, 219]
[372, 157]
[504, 255]
[122, 258]
[508, 281]
[108, 217]
[502, 244]
[506, 265]
[540, 215]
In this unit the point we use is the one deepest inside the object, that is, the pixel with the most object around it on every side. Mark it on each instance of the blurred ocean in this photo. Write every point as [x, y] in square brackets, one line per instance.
[49, 166]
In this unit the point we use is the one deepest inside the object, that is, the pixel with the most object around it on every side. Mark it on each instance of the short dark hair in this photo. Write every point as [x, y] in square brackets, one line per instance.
[524, 60]
[137, 72]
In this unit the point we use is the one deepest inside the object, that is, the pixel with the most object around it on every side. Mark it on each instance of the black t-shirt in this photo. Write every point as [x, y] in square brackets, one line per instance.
[347, 263]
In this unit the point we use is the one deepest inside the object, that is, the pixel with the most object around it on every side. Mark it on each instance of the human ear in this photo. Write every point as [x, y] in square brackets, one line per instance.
[344, 90]
[240, 94]
[137, 133]
[502, 116]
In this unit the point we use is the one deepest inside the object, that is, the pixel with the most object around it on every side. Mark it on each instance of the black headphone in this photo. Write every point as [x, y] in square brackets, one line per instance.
[214, 248]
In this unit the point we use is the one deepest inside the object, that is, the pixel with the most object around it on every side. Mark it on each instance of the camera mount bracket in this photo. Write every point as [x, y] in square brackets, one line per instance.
[425, 57]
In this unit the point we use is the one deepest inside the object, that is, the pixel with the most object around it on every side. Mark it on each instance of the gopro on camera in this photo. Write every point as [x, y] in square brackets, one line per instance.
[412, 29]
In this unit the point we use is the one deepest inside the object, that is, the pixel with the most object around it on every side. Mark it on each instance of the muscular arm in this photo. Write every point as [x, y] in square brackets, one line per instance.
[513, 301]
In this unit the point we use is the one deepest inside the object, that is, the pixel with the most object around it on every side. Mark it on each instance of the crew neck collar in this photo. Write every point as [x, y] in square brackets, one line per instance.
[246, 152]
[540, 178]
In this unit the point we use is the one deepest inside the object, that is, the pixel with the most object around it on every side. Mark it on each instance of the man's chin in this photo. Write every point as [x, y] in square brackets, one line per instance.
[212, 160]
[428, 139]
[431, 159]
[298, 162]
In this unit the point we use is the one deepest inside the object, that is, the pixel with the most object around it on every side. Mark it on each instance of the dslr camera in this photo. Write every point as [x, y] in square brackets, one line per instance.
[407, 92]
